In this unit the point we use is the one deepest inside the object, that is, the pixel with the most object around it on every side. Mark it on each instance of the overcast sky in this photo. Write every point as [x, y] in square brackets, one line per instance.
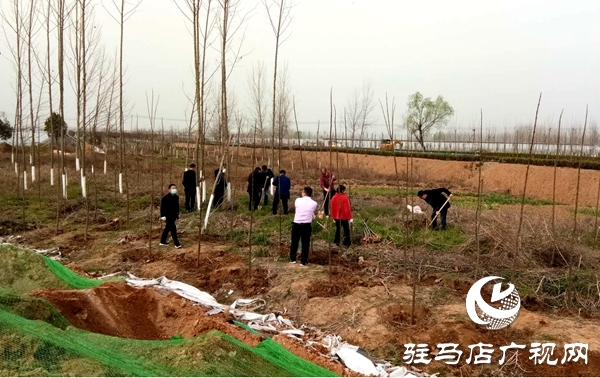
[496, 56]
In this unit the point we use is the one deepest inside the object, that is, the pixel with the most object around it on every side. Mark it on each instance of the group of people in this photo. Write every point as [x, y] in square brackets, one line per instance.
[335, 203]
[190, 184]
[259, 185]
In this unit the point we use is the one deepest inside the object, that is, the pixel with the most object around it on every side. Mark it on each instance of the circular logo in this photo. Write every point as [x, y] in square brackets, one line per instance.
[507, 303]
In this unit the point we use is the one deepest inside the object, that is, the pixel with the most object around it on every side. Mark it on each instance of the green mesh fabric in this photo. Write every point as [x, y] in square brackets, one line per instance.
[36, 340]
[278, 355]
[73, 279]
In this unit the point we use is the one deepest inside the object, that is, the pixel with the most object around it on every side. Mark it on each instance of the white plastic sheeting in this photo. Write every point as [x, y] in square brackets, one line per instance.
[416, 209]
[352, 356]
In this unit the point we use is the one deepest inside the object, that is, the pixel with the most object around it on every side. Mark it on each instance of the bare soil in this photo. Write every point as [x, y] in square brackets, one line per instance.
[117, 309]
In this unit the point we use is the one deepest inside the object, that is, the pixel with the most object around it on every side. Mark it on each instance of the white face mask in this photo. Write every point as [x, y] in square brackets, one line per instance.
[224, 170]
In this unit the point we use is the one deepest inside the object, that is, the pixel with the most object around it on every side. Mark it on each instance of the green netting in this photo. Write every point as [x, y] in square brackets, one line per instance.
[36, 340]
[32, 308]
[71, 278]
[278, 355]
[23, 271]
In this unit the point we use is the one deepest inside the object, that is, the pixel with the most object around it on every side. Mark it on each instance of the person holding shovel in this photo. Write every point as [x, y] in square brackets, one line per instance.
[268, 175]
[326, 181]
[438, 202]
[220, 186]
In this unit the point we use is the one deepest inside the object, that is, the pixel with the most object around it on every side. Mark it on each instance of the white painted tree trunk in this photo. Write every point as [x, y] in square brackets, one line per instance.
[33, 173]
[121, 183]
[51, 176]
[64, 185]
[83, 187]
[198, 199]
[77, 168]
[212, 196]
[25, 180]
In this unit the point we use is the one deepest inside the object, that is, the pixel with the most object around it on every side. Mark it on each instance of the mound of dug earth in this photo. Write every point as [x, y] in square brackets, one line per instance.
[117, 309]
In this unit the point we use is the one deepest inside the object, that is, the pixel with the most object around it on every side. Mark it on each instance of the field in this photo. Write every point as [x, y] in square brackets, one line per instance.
[410, 287]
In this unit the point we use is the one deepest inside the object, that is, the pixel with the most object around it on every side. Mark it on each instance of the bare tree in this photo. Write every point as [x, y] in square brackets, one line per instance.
[279, 13]
[257, 88]
[389, 114]
[125, 9]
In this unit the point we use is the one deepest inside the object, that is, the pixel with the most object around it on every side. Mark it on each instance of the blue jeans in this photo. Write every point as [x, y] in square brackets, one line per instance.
[266, 197]
[442, 218]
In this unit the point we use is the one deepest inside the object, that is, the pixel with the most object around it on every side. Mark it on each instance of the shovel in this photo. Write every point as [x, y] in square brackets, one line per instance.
[438, 212]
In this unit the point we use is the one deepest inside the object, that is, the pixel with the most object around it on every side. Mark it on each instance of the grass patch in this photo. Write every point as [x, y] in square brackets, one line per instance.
[591, 211]
[385, 191]
[493, 200]
[445, 240]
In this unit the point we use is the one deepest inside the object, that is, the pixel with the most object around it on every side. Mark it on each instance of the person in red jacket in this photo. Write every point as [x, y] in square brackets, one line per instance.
[342, 215]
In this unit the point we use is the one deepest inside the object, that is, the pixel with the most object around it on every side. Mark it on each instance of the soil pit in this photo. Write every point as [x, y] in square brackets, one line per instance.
[117, 309]
[342, 281]
[400, 315]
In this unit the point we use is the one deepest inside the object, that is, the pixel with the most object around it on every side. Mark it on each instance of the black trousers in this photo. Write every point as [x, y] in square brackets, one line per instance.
[346, 226]
[172, 228]
[284, 203]
[442, 218]
[326, 196]
[300, 233]
[190, 199]
[254, 201]
[266, 195]
[219, 195]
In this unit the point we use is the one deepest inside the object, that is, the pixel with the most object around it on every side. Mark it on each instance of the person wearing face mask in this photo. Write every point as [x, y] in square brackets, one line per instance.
[169, 212]
[220, 187]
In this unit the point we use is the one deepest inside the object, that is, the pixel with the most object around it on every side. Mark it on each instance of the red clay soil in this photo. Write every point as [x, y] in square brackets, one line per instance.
[117, 309]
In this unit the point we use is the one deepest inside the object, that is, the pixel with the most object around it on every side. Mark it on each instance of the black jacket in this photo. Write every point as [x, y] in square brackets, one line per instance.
[267, 176]
[221, 183]
[189, 180]
[169, 207]
[436, 199]
[256, 181]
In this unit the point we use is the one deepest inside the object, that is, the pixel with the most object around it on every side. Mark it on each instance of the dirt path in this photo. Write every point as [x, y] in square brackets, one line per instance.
[498, 177]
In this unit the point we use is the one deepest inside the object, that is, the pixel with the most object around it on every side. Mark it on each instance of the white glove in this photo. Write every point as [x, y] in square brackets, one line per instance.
[163, 218]
[351, 220]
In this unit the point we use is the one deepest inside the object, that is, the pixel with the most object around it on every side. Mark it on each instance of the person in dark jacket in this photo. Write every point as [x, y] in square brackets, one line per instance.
[436, 199]
[220, 186]
[342, 215]
[256, 182]
[189, 184]
[169, 212]
[268, 175]
[282, 185]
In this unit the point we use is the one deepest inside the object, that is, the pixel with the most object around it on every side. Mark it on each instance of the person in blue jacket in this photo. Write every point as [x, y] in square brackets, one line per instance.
[281, 185]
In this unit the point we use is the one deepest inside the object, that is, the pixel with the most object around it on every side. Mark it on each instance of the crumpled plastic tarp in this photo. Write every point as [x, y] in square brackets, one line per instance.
[353, 357]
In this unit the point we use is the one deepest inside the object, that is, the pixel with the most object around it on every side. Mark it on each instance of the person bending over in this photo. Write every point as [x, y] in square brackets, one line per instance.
[438, 202]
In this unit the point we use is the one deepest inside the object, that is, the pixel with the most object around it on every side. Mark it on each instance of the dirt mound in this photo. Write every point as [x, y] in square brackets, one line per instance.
[5, 147]
[117, 309]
